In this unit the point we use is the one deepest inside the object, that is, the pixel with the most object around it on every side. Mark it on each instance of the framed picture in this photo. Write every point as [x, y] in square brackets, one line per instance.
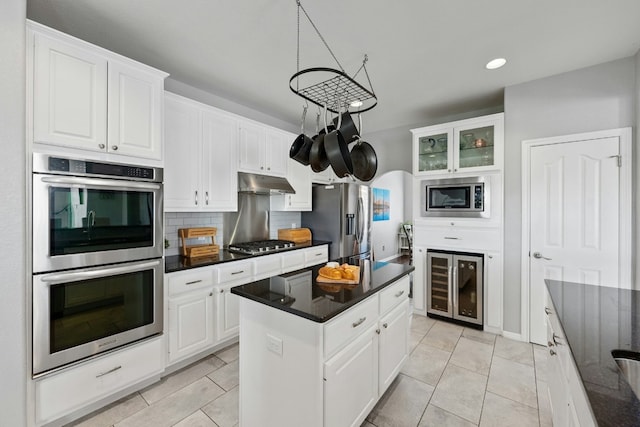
[380, 204]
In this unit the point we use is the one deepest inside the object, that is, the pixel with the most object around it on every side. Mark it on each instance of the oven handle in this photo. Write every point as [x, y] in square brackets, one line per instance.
[100, 182]
[82, 275]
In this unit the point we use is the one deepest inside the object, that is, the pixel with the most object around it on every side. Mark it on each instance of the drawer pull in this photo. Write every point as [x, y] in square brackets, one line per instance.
[386, 325]
[552, 352]
[237, 272]
[546, 310]
[359, 322]
[452, 238]
[378, 331]
[320, 254]
[399, 294]
[109, 371]
[556, 338]
[549, 344]
[193, 282]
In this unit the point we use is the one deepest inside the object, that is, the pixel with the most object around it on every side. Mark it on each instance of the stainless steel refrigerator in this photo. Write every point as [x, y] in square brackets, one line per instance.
[342, 215]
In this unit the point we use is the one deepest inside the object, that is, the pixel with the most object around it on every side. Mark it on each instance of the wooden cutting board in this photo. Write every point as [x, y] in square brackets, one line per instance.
[356, 273]
[296, 235]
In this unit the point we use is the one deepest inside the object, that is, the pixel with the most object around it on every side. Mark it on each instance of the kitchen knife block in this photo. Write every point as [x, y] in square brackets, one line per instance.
[199, 250]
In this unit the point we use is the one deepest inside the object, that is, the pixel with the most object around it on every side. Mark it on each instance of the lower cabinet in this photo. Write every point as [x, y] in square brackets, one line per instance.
[330, 374]
[227, 313]
[191, 324]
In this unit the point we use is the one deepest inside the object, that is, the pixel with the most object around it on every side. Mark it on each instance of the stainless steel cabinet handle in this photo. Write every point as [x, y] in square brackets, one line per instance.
[452, 238]
[196, 197]
[109, 371]
[549, 344]
[221, 291]
[552, 352]
[399, 294]
[359, 322]
[378, 331]
[538, 255]
[386, 325]
[237, 272]
[193, 282]
[556, 338]
[114, 147]
[206, 197]
[101, 146]
[546, 310]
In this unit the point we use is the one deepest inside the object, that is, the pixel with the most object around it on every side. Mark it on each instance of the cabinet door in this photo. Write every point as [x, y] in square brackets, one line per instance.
[183, 155]
[419, 280]
[351, 382]
[493, 287]
[251, 148]
[467, 288]
[277, 152]
[228, 313]
[190, 324]
[478, 144]
[70, 95]
[299, 176]
[394, 344]
[219, 170]
[433, 152]
[135, 112]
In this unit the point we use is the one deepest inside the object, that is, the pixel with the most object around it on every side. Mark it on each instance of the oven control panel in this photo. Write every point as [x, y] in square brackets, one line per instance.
[89, 168]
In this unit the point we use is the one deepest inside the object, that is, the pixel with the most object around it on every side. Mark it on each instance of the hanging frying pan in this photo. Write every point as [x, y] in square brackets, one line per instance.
[301, 145]
[338, 152]
[347, 127]
[363, 158]
[317, 155]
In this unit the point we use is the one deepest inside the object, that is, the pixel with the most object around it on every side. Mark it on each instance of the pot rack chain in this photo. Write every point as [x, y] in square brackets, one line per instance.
[327, 93]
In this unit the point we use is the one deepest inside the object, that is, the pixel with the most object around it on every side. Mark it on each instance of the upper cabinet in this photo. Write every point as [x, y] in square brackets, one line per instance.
[85, 97]
[299, 176]
[263, 149]
[200, 172]
[472, 145]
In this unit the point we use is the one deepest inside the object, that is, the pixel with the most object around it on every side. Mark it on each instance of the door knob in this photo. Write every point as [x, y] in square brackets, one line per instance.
[538, 255]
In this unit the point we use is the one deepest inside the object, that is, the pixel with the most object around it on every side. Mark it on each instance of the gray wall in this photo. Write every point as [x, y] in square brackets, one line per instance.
[13, 284]
[590, 99]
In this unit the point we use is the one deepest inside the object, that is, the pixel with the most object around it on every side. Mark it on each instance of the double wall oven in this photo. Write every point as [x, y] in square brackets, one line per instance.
[97, 258]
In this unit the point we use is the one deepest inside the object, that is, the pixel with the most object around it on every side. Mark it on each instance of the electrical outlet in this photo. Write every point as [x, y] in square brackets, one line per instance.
[294, 225]
[274, 344]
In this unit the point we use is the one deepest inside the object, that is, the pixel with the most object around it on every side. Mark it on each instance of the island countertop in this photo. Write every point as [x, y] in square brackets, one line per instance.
[318, 301]
[596, 320]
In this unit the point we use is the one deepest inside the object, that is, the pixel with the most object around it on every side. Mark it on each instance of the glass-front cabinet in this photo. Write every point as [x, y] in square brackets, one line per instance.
[464, 146]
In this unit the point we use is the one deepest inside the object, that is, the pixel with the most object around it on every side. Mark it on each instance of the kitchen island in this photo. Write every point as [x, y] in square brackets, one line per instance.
[585, 323]
[321, 354]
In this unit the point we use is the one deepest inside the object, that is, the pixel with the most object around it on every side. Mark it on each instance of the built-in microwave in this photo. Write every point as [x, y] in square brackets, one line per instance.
[456, 197]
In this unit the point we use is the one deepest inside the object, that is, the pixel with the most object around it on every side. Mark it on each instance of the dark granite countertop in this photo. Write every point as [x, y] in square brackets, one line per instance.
[597, 320]
[175, 263]
[320, 302]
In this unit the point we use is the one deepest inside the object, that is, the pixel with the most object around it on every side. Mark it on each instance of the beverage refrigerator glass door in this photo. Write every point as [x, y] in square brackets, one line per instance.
[88, 213]
[84, 312]
[456, 197]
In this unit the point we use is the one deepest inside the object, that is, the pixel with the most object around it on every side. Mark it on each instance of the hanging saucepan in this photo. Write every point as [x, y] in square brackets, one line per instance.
[347, 127]
[338, 152]
[317, 155]
[302, 145]
[363, 158]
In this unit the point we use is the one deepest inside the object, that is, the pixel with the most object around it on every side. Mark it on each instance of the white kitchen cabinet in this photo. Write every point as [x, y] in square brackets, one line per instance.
[351, 381]
[227, 312]
[493, 292]
[419, 280]
[327, 176]
[316, 255]
[191, 324]
[200, 166]
[262, 149]
[393, 344]
[74, 388]
[87, 98]
[465, 146]
[299, 176]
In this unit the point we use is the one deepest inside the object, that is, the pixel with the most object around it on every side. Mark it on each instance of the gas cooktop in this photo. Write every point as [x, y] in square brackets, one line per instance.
[260, 246]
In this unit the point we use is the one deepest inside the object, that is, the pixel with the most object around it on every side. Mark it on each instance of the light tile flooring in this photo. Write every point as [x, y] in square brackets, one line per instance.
[455, 376]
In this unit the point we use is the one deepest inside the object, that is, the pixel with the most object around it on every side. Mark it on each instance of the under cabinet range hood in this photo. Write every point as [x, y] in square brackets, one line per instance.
[263, 184]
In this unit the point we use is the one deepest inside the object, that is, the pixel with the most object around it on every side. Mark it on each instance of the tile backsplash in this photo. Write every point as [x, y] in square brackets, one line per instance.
[175, 220]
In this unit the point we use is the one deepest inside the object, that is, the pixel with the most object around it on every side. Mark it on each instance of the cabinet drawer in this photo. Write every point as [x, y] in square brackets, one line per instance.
[235, 271]
[462, 238]
[394, 294]
[292, 260]
[267, 266]
[79, 386]
[181, 282]
[316, 255]
[350, 324]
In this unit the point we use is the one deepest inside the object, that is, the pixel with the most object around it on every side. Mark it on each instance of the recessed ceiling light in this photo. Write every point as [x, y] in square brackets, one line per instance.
[356, 104]
[495, 63]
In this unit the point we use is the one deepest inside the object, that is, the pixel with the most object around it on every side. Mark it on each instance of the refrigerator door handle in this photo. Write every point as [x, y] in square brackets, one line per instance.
[359, 220]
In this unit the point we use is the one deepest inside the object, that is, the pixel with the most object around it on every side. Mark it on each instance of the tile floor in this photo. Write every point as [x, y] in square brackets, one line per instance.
[455, 376]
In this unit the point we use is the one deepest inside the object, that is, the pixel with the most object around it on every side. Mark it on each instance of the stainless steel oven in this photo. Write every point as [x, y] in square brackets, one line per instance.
[84, 312]
[89, 213]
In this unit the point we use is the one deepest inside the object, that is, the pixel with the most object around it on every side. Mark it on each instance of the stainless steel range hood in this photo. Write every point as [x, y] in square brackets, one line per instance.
[263, 184]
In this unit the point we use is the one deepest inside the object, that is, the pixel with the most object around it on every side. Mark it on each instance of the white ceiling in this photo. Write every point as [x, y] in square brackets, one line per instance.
[426, 58]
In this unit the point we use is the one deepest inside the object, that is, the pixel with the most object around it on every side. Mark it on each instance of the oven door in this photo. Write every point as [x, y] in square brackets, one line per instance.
[80, 313]
[80, 222]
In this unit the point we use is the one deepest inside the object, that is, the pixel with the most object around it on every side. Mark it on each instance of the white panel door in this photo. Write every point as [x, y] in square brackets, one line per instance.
[190, 324]
[135, 112]
[70, 95]
[394, 344]
[220, 168]
[574, 214]
[277, 151]
[251, 148]
[183, 155]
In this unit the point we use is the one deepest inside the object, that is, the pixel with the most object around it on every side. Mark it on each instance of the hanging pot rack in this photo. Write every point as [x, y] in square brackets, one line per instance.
[328, 87]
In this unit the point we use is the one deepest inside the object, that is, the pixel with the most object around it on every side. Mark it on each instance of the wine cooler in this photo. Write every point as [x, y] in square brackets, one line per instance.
[454, 286]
